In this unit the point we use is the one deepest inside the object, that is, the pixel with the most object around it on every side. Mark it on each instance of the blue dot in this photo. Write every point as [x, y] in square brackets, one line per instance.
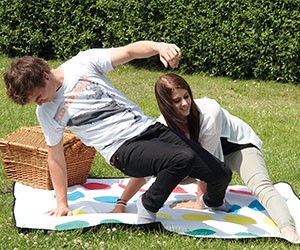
[177, 201]
[74, 196]
[255, 205]
[107, 199]
[235, 208]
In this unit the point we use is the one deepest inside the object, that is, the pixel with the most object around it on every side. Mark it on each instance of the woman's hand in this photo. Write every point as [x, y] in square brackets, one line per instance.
[188, 204]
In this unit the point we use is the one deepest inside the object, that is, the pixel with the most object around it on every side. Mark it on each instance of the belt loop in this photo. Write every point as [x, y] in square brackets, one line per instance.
[112, 160]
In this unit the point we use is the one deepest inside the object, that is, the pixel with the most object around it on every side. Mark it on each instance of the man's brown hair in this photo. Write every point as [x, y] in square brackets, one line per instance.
[24, 75]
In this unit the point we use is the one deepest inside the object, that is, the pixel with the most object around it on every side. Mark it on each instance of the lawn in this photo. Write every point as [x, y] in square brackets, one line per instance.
[271, 108]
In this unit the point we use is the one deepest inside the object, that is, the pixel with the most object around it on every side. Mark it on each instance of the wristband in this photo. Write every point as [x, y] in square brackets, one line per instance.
[122, 202]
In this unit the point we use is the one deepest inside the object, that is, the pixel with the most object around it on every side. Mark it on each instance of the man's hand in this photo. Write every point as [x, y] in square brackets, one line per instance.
[118, 209]
[169, 54]
[60, 211]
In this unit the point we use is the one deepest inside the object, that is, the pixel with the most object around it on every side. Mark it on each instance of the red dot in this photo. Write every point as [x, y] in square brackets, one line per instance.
[95, 186]
[180, 190]
[124, 186]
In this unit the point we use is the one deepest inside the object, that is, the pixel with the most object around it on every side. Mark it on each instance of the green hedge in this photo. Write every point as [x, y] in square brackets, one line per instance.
[239, 39]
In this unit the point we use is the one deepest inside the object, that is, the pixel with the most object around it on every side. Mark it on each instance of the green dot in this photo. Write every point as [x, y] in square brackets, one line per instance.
[200, 231]
[245, 234]
[72, 225]
[110, 221]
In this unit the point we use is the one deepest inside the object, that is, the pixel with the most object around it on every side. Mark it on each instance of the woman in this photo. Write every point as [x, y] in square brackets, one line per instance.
[227, 137]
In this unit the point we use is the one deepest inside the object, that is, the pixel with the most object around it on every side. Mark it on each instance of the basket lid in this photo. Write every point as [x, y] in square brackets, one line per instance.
[33, 137]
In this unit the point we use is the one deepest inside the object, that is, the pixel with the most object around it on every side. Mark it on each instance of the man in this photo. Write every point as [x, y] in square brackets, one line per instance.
[77, 95]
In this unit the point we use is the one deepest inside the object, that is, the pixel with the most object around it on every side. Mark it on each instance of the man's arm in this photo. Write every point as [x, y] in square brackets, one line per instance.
[169, 54]
[58, 172]
[131, 189]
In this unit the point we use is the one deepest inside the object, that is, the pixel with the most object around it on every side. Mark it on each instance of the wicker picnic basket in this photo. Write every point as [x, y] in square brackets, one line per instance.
[24, 156]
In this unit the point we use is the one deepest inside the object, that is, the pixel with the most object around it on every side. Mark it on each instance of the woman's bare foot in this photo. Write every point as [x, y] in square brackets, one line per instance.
[290, 234]
[188, 204]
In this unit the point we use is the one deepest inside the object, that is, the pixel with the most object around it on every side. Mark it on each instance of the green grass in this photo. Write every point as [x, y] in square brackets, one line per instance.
[272, 109]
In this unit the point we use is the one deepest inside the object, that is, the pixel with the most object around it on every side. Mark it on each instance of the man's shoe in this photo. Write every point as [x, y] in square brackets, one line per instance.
[225, 207]
[144, 216]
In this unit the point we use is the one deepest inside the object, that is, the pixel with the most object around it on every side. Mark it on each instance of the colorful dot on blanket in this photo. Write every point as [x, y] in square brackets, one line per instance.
[242, 192]
[196, 217]
[179, 190]
[108, 221]
[246, 234]
[75, 196]
[239, 219]
[200, 232]
[164, 216]
[124, 186]
[95, 186]
[235, 208]
[107, 199]
[177, 201]
[255, 205]
[269, 222]
[72, 225]
[78, 212]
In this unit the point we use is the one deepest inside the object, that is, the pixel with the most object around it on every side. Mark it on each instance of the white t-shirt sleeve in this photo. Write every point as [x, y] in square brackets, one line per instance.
[52, 132]
[99, 59]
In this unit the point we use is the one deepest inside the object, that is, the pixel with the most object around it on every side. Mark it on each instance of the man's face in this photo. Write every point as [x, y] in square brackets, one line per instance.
[43, 94]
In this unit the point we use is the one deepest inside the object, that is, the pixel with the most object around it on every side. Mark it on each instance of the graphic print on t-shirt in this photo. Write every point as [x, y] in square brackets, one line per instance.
[87, 103]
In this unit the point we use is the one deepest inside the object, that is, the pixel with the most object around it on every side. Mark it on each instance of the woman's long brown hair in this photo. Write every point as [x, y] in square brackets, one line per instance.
[163, 92]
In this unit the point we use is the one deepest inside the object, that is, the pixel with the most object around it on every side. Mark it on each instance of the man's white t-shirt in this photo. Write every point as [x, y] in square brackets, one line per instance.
[91, 107]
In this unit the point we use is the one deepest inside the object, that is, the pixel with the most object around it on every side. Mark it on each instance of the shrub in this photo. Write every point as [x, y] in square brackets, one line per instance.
[239, 39]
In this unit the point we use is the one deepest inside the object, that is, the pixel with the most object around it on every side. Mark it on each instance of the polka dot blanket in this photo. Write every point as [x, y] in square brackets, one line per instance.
[92, 201]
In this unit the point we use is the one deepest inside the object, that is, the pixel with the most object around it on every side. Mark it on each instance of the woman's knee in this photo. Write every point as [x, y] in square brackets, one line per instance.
[260, 186]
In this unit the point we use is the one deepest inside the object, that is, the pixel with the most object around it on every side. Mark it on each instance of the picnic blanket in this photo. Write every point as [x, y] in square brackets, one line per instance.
[92, 201]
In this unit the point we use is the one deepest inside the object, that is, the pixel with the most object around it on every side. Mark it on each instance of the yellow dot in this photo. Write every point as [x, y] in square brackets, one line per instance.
[165, 216]
[196, 217]
[241, 220]
[78, 212]
[269, 222]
